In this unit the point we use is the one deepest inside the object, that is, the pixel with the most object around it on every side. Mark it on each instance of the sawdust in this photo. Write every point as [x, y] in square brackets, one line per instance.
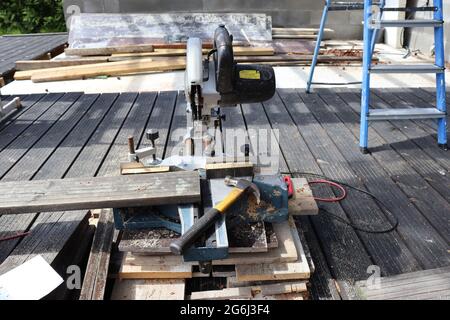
[345, 52]
[155, 238]
[253, 208]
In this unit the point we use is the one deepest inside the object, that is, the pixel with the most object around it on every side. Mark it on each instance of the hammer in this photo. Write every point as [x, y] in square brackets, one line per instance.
[212, 215]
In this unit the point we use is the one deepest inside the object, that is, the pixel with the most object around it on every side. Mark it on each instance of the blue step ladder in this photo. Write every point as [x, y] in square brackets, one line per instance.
[335, 6]
[374, 22]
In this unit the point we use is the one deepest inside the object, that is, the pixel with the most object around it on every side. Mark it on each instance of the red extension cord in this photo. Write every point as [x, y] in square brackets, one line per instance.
[332, 184]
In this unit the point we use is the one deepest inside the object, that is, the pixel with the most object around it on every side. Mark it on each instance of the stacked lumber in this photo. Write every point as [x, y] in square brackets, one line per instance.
[291, 47]
[300, 33]
[281, 272]
[115, 61]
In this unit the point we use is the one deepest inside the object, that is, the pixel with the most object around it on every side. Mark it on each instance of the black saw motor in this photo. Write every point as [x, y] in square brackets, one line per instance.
[239, 83]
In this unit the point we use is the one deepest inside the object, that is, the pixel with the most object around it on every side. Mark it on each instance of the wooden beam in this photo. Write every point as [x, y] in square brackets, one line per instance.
[225, 294]
[302, 202]
[238, 51]
[27, 65]
[108, 50]
[110, 69]
[101, 69]
[96, 274]
[299, 30]
[148, 290]
[131, 271]
[268, 290]
[100, 192]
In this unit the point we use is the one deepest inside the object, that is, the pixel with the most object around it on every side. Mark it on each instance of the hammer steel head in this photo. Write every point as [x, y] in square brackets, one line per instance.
[244, 184]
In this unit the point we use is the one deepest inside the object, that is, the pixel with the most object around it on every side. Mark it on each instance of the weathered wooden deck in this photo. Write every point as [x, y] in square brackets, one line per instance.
[75, 135]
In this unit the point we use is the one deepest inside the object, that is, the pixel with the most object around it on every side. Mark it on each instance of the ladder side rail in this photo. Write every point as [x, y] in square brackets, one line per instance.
[377, 31]
[365, 88]
[318, 42]
[440, 78]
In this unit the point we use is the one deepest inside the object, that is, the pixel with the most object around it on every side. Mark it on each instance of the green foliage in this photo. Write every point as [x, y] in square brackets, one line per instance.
[31, 16]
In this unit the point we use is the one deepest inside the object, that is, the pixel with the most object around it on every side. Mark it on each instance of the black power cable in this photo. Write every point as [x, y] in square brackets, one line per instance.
[342, 220]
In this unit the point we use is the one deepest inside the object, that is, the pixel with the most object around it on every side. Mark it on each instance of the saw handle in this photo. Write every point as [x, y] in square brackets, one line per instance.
[204, 223]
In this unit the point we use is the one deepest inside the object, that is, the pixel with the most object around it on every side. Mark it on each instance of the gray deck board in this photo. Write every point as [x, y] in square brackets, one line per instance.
[334, 165]
[419, 176]
[426, 244]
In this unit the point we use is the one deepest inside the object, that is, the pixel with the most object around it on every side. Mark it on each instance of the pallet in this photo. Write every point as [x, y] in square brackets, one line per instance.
[288, 261]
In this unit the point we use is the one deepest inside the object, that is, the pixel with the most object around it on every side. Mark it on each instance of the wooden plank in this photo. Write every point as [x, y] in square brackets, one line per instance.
[277, 271]
[129, 270]
[250, 292]
[299, 31]
[283, 296]
[225, 294]
[105, 51]
[96, 273]
[27, 65]
[164, 53]
[302, 202]
[101, 69]
[148, 290]
[100, 192]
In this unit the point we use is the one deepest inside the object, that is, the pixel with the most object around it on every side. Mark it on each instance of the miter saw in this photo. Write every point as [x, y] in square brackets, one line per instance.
[219, 82]
[211, 83]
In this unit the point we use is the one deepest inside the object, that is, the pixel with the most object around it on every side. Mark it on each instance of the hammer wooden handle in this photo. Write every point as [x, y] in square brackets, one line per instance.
[205, 222]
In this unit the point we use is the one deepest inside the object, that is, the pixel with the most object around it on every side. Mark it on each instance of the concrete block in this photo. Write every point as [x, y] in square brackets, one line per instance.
[158, 6]
[291, 18]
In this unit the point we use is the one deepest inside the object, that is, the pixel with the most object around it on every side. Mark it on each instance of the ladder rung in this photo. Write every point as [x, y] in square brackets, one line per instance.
[377, 24]
[421, 68]
[338, 6]
[409, 9]
[405, 114]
